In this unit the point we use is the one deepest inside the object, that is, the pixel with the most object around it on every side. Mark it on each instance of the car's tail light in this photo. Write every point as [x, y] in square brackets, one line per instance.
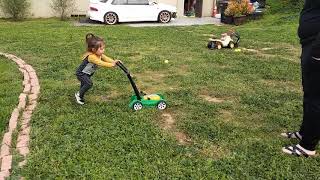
[93, 9]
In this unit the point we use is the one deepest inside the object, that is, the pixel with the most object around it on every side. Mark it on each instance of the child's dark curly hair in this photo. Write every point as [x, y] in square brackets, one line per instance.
[93, 42]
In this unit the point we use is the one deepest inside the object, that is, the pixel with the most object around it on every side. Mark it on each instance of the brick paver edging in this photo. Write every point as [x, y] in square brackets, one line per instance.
[22, 115]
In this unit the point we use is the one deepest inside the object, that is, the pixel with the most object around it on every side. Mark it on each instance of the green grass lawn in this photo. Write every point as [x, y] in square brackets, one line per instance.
[10, 88]
[258, 91]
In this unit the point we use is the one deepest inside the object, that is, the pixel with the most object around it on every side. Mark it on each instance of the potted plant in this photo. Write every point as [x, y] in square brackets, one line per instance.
[238, 10]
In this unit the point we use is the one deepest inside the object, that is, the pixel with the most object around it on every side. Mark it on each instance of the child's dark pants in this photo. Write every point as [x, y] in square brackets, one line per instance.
[86, 84]
[310, 128]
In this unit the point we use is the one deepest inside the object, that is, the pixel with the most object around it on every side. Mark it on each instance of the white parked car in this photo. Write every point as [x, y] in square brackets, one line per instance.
[113, 11]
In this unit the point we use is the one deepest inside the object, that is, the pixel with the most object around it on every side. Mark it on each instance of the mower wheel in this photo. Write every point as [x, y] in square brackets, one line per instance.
[162, 105]
[137, 106]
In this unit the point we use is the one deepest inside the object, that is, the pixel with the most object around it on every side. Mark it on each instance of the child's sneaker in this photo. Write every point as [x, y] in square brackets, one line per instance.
[78, 99]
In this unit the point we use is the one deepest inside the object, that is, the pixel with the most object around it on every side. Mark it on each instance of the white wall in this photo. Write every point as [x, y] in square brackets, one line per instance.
[81, 6]
[206, 8]
[42, 8]
[1, 14]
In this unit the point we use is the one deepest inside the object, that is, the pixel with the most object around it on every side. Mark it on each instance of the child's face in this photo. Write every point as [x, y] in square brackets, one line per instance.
[100, 50]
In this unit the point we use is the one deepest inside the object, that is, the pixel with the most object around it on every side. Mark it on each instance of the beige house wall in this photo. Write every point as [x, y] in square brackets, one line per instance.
[42, 8]
[177, 3]
[207, 7]
[1, 14]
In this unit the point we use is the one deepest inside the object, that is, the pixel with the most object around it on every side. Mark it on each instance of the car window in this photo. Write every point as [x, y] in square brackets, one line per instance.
[103, 1]
[138, 2]
[120, 2]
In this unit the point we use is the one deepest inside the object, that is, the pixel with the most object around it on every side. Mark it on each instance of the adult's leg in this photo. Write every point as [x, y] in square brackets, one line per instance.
[310, 127]
[305, 72]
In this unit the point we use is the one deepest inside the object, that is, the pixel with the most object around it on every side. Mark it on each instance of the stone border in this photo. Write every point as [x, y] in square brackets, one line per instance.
[22, 115]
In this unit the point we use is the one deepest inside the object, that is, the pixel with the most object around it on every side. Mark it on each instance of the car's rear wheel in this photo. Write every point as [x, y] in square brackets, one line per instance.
[110, 18]
[164, 17]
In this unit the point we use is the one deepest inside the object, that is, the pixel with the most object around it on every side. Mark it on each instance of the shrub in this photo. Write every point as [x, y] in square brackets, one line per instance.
[62, 7]
[238, 8]
[15, 9]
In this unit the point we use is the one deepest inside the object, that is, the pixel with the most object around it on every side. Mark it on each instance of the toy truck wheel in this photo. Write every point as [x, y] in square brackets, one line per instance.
[137, 106]
[162, 105]
[219, 46]
[231, 45]
[211, 45]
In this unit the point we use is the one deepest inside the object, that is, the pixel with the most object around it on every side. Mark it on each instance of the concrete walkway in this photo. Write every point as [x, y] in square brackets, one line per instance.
[182, 21]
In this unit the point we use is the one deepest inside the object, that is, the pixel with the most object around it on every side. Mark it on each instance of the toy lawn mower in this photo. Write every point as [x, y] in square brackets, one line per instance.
[230, 40]
[140, 99]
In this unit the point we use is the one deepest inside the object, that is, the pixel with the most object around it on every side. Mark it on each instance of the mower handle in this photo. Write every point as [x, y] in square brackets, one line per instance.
[135, 89]
[121, 66]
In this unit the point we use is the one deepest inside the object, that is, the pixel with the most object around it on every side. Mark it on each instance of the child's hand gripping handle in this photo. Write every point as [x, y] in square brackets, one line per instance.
[121, 66]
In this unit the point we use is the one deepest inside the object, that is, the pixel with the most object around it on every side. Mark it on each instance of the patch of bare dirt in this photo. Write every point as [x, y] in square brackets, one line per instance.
[107, 97]
[226, 115]
[169, 122]
[259, 53]
[250, 50]
[182, 138]
[211, 151]
[151, 76]
[168, 125]
[154, 81]
[289, 85]
[96, 98]
[182, 70]
[267, 49]
[207, 35]
[215, 152]
[292, 53]
[212, 99]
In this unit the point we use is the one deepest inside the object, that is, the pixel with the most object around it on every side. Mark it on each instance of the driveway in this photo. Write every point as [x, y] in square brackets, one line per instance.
[182, 21]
